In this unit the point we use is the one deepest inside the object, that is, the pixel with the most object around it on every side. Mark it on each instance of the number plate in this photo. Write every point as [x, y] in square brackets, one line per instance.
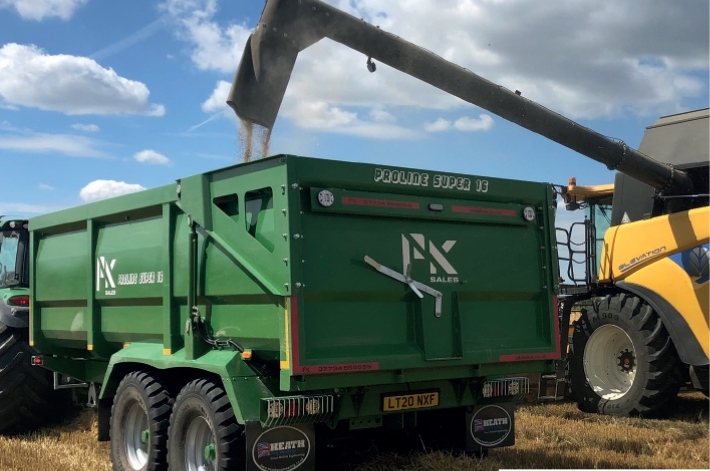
[417, 400]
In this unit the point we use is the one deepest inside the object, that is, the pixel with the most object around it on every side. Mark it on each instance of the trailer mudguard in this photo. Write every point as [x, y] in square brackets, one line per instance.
[243, 385]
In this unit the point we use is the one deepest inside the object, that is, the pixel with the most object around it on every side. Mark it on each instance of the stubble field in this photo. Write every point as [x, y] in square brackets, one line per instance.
[548, 436]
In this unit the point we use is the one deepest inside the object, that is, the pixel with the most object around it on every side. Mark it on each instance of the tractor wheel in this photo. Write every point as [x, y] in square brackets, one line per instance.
[204, 434]
[622, 360]
[139, 423]
[26, 391]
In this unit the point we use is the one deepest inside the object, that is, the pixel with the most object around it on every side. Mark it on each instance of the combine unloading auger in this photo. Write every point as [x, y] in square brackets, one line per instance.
[287, 27]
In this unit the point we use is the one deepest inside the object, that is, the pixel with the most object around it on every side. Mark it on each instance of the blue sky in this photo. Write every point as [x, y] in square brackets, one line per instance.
[99, 97]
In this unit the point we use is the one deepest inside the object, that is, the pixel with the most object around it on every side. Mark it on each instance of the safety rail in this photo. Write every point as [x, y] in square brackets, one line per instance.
[296, 409]
[512, 389]
[580, 256]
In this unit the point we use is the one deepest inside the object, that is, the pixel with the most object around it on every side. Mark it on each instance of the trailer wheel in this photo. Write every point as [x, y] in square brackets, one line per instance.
[204, 434]
[139, 423]
[622, 359]
[25, 390]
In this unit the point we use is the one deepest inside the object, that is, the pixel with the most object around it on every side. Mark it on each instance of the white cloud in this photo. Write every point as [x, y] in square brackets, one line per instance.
[21, 209]
[102, 189]
[439, 125]
[149, 156]
[45, 187]
[587, 59]
[40, 9]
[69, 84]
[42, 143]
[464, 123]
[218, 100]
[382, 116]
[85, 127]
[483, 123]
[214, 47]
[318, 115]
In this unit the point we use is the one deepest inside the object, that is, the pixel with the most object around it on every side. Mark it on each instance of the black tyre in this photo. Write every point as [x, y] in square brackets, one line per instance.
[204, 434]
[139, 423]
[26, 391]
[622, 360]
[700, 378]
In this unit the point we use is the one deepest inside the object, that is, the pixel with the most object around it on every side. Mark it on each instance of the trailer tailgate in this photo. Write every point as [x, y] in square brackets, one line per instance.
[394, 280]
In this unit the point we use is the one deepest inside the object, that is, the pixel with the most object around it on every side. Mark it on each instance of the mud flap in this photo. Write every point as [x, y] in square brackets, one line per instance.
[490, 426]
[281, 448]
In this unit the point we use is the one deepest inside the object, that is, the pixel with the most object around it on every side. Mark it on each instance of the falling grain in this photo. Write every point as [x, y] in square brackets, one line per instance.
[246, 133]
[263, 135]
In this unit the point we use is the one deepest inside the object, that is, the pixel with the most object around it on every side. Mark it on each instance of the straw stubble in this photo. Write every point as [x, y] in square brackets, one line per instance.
[548, 436]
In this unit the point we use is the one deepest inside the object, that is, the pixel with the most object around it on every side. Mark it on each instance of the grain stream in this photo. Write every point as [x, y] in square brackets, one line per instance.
[248, 132]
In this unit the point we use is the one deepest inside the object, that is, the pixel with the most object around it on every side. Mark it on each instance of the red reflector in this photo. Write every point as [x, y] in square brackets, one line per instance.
[22, 300]
[37, 361]
[291, 409]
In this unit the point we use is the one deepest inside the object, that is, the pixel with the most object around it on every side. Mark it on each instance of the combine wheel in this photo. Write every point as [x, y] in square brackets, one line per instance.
[25, 390]
[139, 423]
[204, 434]
[622, 360]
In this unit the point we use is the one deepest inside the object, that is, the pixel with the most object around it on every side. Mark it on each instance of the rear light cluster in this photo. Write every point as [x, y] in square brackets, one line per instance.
[506, 387]
[22, 300]
[291, 410]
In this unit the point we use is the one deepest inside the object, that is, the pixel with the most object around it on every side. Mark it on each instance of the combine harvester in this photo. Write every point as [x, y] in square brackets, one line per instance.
[650, 332]
[231, 319]
[634, 262]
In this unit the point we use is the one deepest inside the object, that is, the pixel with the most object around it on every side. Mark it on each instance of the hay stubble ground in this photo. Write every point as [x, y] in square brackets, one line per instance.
[548, 436]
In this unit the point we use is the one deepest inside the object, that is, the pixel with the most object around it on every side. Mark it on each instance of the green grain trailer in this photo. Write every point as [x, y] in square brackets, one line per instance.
[232, 317]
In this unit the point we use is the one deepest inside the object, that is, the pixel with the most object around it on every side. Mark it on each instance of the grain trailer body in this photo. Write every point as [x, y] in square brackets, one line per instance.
[303, 291]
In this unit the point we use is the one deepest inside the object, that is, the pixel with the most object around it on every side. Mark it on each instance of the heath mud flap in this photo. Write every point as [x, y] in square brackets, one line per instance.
[281, 448]
[490, 426]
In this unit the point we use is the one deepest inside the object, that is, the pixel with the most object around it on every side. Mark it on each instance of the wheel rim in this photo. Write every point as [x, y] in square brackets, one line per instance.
[610, 362]
[137, 437]
[199, 446]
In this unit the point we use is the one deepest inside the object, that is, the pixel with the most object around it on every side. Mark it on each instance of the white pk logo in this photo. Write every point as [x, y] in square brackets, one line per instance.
[103, 272]
[419, 248]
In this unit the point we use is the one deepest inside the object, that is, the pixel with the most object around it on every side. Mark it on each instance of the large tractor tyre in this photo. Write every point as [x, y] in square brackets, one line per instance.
[700, 378]
[26, 391]
[139, 423]
[204, 434]
[622, 359]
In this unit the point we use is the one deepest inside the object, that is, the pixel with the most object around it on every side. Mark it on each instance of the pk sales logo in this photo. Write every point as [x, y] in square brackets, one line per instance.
[417, 247]
[104, 272]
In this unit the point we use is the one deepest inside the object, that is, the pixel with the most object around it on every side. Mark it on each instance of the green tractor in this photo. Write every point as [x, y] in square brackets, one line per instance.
[25, 392]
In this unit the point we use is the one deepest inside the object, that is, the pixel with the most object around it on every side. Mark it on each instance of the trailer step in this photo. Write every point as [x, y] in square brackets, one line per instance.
[544, 385]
